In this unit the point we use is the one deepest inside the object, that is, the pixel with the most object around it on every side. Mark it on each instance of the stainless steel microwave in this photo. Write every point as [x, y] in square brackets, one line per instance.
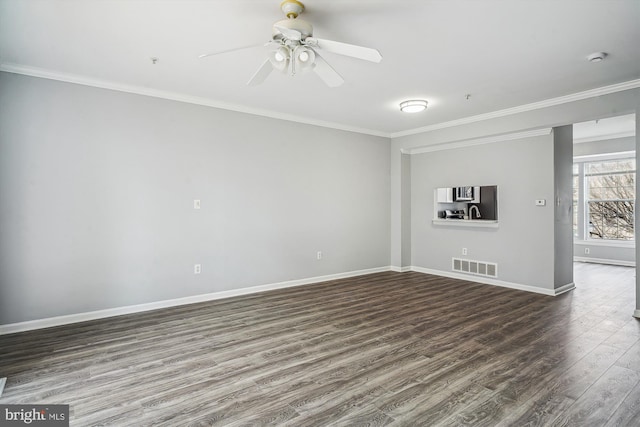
[464, 193]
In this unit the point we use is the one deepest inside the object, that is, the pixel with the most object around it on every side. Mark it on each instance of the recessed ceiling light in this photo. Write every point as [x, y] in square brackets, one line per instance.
[597, 56]
[413, 106]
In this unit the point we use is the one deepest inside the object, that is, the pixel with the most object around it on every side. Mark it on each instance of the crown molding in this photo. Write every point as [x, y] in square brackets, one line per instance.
[608, 136]
[599, 158]
[174, 96]
[579, 96]
[477, 141]
[140, 90]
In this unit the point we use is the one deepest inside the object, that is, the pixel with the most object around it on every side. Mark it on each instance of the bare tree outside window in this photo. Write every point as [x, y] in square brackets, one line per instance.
[611, 199]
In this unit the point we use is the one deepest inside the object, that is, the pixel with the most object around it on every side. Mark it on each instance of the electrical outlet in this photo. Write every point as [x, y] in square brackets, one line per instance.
[196, 204]
[587, 251]
[464, 251]
[197, 269]
[319, 255]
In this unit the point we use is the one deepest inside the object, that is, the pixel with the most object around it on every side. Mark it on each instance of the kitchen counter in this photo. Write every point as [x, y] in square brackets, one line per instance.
[477, 223]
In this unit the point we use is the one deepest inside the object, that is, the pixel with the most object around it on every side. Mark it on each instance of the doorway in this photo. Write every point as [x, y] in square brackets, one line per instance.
[604, 175]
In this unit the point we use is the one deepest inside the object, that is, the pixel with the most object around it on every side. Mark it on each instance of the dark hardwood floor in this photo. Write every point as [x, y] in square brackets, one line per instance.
[383, 349]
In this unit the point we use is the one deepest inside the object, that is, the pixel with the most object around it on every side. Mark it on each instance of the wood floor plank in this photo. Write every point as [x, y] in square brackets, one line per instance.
[603, 398]
[567, 386]
[365, 416]
[439, 407]
[382, 349]
[631, 359]
[348, 400]
[579, 377]
[537, 412]
[628, 413]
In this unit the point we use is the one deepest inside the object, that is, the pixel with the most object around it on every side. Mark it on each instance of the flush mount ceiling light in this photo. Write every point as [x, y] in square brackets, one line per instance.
[597, 57]
[413, 106]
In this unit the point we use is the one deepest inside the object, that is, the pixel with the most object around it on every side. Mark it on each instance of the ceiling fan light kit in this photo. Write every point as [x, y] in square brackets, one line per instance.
[293, 48]
[305, 55]
[413, 106]
[279, 59]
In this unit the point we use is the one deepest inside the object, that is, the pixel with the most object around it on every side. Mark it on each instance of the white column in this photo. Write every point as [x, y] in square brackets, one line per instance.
[400, 209]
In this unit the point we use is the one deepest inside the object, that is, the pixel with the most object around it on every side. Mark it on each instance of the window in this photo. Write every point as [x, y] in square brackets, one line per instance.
[609, 199]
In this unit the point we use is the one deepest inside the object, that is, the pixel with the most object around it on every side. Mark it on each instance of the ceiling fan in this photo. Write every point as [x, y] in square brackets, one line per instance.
[293, 49]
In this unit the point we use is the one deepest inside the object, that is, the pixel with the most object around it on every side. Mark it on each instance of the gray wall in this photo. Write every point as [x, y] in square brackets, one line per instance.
[610, 105]
[617, 145]
[523, 171]
[97, 189]
[96, 193]
[623, 255]
[614, 104]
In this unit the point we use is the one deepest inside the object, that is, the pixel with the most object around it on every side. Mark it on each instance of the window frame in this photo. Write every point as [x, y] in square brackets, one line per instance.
[582, 232]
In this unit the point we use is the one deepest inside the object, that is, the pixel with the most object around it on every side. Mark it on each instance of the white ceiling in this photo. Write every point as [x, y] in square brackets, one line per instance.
[608, 128]
[503, 53]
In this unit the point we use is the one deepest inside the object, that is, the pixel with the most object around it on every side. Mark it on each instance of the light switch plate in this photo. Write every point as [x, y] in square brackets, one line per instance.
[196, 204]
[541, 202]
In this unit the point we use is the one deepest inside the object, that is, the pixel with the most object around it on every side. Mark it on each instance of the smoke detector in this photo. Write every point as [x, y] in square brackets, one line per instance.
[597, 57]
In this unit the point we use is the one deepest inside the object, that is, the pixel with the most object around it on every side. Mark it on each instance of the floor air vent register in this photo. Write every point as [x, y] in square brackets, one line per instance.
[479, 268]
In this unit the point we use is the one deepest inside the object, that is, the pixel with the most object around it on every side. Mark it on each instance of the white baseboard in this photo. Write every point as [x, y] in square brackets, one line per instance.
[494, 282]
[118, 311]
[564, 288]
[636, 313]
[400, 269]
[605, 261]
[139, 308]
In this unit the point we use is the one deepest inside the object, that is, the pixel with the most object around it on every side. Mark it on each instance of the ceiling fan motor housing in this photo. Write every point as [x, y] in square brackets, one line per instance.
[305, 28]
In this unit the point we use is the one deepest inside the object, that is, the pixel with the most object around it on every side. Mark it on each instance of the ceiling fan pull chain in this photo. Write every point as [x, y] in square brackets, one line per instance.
[292, 55]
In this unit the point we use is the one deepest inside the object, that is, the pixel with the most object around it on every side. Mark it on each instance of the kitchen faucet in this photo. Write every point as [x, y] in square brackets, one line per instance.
[477, 212]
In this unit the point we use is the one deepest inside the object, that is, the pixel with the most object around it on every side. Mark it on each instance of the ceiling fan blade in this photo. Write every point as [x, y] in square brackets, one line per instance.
[204, 55]
[366, 53]
[289, 33]
[262, 73]
[327, 73]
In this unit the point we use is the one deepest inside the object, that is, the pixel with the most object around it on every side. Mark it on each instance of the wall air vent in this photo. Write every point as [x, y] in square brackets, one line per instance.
[480, 268]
